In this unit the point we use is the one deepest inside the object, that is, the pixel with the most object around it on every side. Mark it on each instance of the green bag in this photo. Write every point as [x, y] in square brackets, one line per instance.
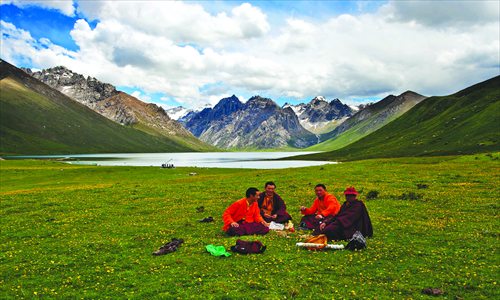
[217, 250]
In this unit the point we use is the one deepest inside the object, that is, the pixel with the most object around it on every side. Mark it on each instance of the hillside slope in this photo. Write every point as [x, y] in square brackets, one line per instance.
[466, 122]
[368, 120]
[37, 119]
[118, 106]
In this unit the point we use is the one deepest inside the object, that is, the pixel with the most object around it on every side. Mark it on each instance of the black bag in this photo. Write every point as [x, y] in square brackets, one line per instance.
[244, 247]
[357, 242]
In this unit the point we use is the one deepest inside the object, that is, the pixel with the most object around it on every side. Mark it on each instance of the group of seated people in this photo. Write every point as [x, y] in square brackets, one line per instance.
[253, 214]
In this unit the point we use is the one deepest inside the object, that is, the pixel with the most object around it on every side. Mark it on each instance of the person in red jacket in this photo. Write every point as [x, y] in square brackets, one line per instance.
[243, 216]
[324, 206]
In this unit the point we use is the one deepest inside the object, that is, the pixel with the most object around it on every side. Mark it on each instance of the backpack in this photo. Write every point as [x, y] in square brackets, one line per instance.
[244, 247]
[357, 242]
[318, 239]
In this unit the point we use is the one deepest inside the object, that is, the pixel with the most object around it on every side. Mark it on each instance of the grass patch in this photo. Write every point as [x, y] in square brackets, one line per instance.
[88, 232]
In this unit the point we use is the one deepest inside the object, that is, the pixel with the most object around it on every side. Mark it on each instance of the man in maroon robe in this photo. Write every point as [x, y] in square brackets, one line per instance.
[351, 217]
[272, 207]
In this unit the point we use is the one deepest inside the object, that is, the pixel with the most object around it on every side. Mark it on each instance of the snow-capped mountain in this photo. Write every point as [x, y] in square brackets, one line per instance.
[320, 114]
[180, 112]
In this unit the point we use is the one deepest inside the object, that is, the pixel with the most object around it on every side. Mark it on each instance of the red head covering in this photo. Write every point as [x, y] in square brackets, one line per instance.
[350, 190]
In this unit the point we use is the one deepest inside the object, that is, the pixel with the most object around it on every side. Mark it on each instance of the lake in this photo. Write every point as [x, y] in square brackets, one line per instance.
[248, 160]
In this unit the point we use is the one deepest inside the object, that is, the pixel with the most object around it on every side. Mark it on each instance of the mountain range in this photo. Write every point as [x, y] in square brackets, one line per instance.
[57, 111]
[321, 115]
[36, 119]
[118, 106]
[258, 123]
[368, 120]
[467, 122]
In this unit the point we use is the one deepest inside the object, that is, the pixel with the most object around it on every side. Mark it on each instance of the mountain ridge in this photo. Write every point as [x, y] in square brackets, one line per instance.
[259, 123]
[118, 106]
[466, 122]
[367, 120]
[36, 119]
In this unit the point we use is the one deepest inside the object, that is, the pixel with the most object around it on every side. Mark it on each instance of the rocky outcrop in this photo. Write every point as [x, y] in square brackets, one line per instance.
[259, 124]
[128, 111]
[88, 91]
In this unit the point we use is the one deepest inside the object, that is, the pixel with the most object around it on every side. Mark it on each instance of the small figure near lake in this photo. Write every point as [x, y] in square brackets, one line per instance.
[272, 207]
[243, 216]
[325, 205]
[351, 217]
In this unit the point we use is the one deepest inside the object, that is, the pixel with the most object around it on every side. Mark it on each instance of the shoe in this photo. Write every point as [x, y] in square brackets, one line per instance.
[303, 226]
[206, 220]
[176, 243]
[164, 250]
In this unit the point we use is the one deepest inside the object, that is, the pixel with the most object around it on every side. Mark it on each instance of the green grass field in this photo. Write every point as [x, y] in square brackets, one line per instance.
[87, 232]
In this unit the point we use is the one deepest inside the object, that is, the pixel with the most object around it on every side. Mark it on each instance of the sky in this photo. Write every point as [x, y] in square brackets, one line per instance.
[192, 53]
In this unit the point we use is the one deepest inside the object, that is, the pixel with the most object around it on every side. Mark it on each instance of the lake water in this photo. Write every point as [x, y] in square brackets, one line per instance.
[249, 160]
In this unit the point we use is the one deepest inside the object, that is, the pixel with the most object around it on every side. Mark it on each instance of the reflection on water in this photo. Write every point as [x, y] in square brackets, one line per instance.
[251, 160]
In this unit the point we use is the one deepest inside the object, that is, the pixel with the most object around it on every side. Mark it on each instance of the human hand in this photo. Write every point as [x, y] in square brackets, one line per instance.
[302, 208]
[234, 224]
[319, 217]
[274, 216]
[322, 226]
[267, 215]
[265, 223]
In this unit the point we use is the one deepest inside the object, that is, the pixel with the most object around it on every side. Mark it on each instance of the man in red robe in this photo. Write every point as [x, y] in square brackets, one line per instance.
[351, 217]
[243, 216]
[325, 205]
[272, 207]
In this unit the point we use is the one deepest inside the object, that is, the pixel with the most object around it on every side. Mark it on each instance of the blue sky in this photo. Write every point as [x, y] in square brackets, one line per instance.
[193, 53]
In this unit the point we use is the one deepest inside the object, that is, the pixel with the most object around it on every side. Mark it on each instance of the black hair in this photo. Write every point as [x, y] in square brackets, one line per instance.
[269, 183]
[252, 191]
[320, 185]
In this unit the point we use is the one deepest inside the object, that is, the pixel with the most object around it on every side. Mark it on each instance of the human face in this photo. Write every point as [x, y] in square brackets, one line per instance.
[253, 198]
[320, 192]
[350, 197]
[270, 190]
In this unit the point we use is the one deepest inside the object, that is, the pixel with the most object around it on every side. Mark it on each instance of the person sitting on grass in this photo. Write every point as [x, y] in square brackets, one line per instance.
[272, 207]
[351, 217]
[243, 216]
[324, 206]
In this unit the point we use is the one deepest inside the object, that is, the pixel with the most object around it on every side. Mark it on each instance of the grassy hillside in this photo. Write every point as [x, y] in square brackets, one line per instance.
[467, 122]
[367, 121]
[36, 119]
[88, 232]
[151, 120]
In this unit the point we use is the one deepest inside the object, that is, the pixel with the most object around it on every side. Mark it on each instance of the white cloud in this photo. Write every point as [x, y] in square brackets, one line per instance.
[66, 7]
[181, 22]
[179, 49]
[443, 13]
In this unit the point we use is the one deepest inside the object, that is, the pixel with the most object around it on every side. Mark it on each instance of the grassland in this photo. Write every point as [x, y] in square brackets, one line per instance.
[87, 232]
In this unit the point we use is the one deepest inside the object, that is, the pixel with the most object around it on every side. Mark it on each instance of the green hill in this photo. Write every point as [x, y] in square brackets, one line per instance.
[368, 120]
[35, 119]
[466, 122]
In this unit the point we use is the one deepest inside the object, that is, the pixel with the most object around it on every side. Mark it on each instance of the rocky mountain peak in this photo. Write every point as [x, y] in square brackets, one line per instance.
[260, 103]
[227, 105]
[87, 91]
[320, 98]
[412, 96]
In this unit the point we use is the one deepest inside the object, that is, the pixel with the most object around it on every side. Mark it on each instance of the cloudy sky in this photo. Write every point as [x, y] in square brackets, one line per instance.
[191, 53]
